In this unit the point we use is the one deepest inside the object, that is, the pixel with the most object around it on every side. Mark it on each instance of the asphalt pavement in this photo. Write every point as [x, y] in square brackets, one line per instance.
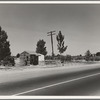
[80, 83]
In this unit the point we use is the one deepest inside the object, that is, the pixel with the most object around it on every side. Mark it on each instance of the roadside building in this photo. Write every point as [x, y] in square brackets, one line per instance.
[17, 61]
[31, 58]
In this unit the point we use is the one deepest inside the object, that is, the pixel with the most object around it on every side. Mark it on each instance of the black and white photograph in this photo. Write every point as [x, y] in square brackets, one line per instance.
[49, 49]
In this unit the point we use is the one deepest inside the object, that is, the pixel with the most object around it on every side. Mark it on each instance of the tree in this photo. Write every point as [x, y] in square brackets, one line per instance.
[98, 54]
[88, 55]
[41, 47]
[60, 45]
[18, 55]
[4, 45]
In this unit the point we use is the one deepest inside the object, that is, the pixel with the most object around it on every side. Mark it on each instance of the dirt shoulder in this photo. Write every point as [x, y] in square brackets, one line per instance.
[33, 72]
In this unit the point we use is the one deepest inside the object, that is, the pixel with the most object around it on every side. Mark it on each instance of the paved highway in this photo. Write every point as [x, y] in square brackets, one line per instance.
[80, 83]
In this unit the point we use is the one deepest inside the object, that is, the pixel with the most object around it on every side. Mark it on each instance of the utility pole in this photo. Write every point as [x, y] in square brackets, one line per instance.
[51, 33]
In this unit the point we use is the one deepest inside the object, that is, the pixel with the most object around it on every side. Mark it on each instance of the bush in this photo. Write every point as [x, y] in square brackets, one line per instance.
[97, 58]
[68, 58]
[48, 57]
[9, 61]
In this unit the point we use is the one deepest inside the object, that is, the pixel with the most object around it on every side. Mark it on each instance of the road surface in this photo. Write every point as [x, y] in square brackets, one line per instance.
[80, 83]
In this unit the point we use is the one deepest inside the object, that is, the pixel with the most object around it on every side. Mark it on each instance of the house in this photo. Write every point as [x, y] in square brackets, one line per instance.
[30, 58]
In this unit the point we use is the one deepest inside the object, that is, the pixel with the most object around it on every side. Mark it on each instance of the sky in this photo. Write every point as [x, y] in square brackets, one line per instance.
[25, 24]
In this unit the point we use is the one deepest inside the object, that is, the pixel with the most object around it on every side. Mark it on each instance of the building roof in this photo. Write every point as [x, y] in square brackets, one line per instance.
[32, 53]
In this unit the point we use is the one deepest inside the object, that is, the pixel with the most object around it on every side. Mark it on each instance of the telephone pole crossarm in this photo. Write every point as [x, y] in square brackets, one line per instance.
[51, 32]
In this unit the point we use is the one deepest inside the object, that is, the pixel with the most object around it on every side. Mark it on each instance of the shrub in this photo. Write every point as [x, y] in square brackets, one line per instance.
[9, 61]
[68, 58]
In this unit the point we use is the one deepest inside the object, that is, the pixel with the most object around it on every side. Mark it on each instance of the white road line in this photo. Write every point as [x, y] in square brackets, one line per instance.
[55, 84]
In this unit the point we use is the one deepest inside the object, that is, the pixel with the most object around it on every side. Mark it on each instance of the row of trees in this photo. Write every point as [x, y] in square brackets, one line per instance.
[88, 56]
[92, 57]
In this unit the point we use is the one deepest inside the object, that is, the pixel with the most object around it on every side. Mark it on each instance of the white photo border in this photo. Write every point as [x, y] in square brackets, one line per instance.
[50, 97]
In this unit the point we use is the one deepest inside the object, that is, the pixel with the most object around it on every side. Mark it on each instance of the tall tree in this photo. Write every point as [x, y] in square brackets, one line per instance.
[4, 45]
[60, 45]
[88, 55]
[41, 47]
